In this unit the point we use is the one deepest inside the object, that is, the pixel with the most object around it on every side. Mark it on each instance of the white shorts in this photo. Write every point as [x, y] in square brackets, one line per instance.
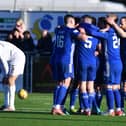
[14, 67]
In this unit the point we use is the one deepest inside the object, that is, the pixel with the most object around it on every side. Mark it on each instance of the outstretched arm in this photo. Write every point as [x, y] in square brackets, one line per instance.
[120, 31]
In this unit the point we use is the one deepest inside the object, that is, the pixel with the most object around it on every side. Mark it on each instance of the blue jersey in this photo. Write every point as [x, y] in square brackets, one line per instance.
[63, 53]
[113, 64]
[87, 59]
[86, 50]
[64, 44]
[112, 44]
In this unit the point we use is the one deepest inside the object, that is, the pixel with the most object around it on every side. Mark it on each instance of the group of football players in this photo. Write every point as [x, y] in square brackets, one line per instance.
[92, 56]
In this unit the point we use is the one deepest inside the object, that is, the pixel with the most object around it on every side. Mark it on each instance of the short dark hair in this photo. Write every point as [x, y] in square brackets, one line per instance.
[102, 22]
[112, 14]
[124, 17]
[68, 16]
[77, 20]
[91, 17]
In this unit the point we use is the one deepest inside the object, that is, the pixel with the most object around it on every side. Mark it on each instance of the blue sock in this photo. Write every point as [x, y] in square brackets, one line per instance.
[55, 94]
[110, 98]
[64, 100]
[122, 98]
[95, 107]
[84, 97]
[91, 97]
[73, 96]
[61, 94]
[81, 101]
[117, 98]
[98, 98]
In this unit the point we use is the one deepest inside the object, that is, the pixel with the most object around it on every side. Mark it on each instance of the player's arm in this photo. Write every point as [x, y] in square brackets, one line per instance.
[9, 80]
[94, 31]
[81, 35]
[99, 34]
[120, 31]
[98, 49]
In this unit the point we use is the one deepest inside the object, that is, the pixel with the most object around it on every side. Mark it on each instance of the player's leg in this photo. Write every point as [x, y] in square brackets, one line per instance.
[91, 93]
[82, 77]
[54, 68]
[90, 84]
[4, 71]
[84, 97]
[117, 97]
[108, 74]
[65, 75]
[75, 86]
[81, 109]
[116, 89]
[73, 96]
[99, 96]
[99, 82]
[63, 90]
[110, 100]
[6, 96]
[123, 86]
[13, 73]
[12, 88]
[123, 95]
[61, 96]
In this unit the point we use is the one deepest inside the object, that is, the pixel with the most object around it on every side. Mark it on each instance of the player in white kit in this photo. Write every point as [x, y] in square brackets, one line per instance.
[12, 62]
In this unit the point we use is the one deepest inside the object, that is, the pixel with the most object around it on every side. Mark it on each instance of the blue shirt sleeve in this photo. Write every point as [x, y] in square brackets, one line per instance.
[99, 34]
[94, 30]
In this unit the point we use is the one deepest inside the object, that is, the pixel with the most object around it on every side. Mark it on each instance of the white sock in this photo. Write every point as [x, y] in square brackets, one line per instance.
[12, 96]
[6, 95]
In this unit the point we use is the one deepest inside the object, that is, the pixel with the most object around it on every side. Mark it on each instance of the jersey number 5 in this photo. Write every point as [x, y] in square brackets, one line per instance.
[88, 43]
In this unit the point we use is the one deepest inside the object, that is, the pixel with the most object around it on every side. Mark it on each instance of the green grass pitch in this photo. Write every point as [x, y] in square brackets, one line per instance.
[35, 111]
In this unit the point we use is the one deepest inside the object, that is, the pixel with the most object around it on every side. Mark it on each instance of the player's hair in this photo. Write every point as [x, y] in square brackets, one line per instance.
[113, 15]
[85, 16]
[102, 22]
[90, 17]
[66, 17]
[77, 20]
[124, 17]
[93, 20]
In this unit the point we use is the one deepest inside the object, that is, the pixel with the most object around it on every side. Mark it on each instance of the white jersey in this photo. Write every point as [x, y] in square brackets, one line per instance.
[12, 59]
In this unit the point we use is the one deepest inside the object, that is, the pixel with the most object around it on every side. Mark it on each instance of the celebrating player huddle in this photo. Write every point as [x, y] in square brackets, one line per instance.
[82, 49]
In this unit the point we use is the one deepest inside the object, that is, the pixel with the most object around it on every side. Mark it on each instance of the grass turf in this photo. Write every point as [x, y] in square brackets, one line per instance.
[35, 111]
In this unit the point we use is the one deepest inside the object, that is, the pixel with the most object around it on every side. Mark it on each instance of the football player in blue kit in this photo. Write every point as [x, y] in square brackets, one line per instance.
[113, 68]
[122, 33]
[62, 60]
[87, 67]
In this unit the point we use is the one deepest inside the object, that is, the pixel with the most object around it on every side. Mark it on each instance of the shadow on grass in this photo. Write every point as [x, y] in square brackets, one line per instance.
[46, 116]
[27, 112]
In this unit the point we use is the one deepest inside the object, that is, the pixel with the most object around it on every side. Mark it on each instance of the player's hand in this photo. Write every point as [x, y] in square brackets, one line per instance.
[5, 80]
[10, 80]
[110, 20]
[96, 53]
